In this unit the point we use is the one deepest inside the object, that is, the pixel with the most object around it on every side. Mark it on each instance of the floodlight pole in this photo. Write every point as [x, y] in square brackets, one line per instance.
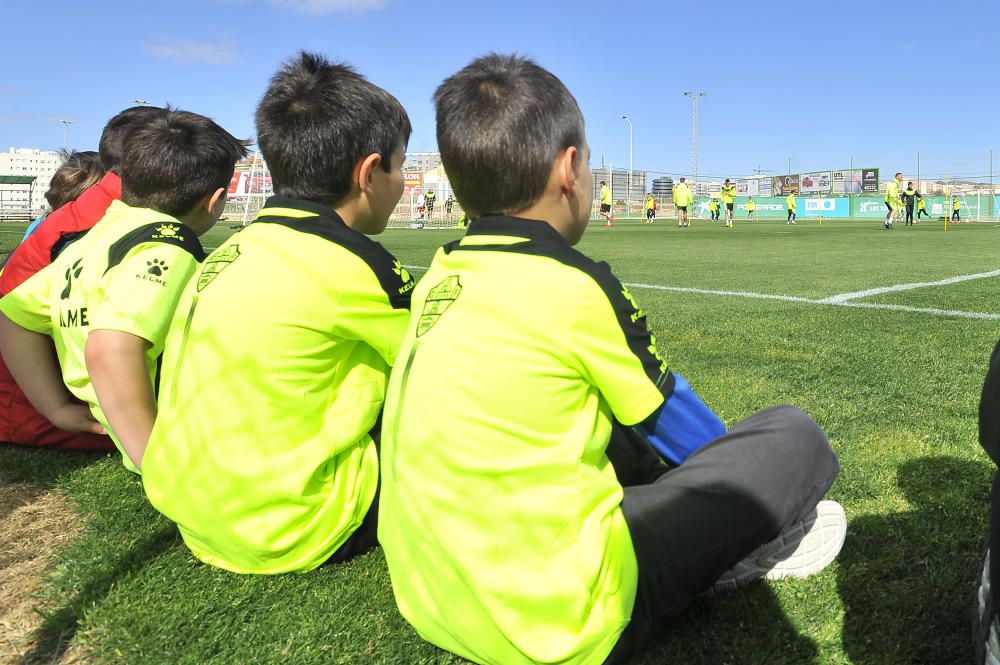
[694, 135]
[628, 189]
[66, 124]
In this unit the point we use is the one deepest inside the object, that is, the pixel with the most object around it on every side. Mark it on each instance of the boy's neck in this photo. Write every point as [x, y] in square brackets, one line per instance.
[553, 213]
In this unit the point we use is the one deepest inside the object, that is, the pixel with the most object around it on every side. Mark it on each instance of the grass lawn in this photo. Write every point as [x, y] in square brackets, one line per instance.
[752, 316]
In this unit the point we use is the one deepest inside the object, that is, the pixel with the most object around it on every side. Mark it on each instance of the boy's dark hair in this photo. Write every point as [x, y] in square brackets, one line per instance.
[79, 171]
[112, 145]
[501, 122]
[175, 159]
[317, 119]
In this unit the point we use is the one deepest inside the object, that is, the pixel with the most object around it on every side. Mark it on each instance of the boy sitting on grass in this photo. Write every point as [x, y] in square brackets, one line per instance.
[108, 299]
[19, 421]
[275, 369]
[525, 517]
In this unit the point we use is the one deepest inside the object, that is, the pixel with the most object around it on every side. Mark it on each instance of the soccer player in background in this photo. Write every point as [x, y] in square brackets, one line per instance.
[956, 210]
[429, 199]
[606, 204]
[683, 199]
[791, 206]
[909, 200]
[650, 206]
[449, 206]
[729, 199]
[892, 199]
[921, 208]
[531, 521]
[751, 207]
[713, 209]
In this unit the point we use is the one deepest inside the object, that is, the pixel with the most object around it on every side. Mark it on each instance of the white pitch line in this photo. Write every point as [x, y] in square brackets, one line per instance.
[844, 297]
[987, 316]
[715, 292]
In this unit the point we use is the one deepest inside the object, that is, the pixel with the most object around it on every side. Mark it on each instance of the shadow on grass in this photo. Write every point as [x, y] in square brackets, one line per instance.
[747, 626]
[38, 470]
[906, 578]
[60, 625]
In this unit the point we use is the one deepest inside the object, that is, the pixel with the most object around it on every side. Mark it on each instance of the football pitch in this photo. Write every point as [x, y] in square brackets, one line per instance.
[882, 336]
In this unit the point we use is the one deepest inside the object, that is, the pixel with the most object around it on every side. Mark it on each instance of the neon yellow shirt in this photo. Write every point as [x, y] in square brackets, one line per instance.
[500, 513]
[728, 193]
[273, 376]
[892, 192]
[751, 205]
[650, 203]
[790, 202]
[125, 274]
[683, 196]
[713, 204]
[605, 195]
[921, 204]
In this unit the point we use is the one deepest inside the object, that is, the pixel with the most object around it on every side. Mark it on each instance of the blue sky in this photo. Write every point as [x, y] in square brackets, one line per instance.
[813, 81]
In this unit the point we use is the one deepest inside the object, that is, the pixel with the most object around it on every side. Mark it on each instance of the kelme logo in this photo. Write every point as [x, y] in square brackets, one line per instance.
[71, 273]
[169, 231]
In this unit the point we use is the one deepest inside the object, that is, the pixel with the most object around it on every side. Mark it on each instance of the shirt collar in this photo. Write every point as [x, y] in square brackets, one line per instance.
[531, 229]
[325, 214]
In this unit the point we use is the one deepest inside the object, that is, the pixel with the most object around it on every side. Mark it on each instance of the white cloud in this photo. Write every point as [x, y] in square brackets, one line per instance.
[320, 7]
[192, 52]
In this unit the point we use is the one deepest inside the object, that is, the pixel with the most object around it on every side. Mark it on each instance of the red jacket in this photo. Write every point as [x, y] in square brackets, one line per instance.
[80, 215]
[19, 422]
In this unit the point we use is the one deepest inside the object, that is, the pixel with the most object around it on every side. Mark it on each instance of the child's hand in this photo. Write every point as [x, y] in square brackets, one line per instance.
[76, 417]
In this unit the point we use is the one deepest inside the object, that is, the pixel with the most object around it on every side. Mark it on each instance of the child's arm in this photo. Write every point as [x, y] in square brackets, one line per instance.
[117, 365]
[31, 361]
[682, 425]
[619, 357]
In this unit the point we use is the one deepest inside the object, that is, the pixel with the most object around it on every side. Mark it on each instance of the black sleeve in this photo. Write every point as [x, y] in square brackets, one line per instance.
[989, 409]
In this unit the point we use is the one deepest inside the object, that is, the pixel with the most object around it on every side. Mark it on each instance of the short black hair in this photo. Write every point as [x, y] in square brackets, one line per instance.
[317, 119]
[175, 160]
[501, 122]
[899, 173]
[78, 172]
[112, 144]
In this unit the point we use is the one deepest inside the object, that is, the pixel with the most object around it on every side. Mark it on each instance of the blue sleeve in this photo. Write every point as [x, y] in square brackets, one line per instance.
[682, 425]
[34, 225]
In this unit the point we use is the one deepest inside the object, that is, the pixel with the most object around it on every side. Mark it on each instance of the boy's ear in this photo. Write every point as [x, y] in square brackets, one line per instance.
[567, 169]
[217, 202]
[365, 170]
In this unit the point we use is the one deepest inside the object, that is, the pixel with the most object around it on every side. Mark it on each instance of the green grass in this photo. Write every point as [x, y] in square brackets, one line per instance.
[897, 392]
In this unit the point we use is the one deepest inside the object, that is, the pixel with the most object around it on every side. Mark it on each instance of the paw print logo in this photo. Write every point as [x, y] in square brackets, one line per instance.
[156, 267]
[167, 231]
[403, 273]
[72, 273]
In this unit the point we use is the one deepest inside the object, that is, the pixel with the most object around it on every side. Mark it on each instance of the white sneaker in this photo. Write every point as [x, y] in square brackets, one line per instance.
[804, 549]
